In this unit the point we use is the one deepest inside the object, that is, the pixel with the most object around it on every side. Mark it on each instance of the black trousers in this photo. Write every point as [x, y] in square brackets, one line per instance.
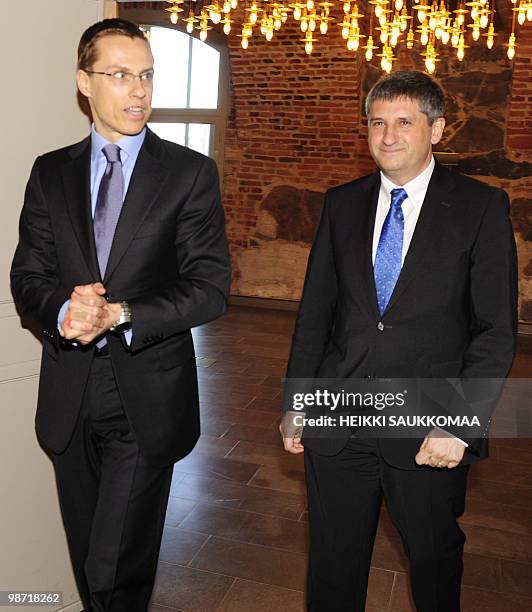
[345, 493]
[113, 502]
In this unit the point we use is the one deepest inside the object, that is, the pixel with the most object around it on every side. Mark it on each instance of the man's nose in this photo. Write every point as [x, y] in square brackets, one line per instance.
[138, 88]
[390, 135]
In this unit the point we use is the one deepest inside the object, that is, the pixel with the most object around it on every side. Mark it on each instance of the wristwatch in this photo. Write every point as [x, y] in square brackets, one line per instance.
[124, 321]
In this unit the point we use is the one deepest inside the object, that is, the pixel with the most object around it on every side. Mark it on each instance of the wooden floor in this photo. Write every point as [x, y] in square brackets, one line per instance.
[235, 537]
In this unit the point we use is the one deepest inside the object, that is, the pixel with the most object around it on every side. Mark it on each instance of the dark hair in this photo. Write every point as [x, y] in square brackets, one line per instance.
[417, 86]
[107, 27]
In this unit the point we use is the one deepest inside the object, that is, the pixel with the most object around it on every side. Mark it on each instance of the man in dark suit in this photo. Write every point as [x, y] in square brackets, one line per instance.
[412, 275]
[122, 250]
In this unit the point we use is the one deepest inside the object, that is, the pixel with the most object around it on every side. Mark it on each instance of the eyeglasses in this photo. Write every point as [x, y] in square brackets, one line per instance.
[123, 77]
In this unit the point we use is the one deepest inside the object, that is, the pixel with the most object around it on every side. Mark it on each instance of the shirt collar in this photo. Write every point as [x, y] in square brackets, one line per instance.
[129, 145]
[416, 188]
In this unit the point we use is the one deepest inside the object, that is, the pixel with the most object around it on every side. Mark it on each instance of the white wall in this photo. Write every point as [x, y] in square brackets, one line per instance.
[38, 112]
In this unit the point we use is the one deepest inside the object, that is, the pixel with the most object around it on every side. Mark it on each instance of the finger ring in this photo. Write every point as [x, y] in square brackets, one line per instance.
[440, 463]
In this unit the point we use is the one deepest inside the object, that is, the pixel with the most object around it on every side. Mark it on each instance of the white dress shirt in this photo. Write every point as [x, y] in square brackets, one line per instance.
[416, 190]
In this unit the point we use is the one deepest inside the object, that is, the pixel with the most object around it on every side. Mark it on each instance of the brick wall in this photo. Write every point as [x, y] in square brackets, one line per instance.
[519, 123]
[294, 121]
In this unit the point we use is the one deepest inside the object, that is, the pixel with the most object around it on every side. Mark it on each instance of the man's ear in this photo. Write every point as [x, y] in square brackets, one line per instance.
[437, 130]
[84, 84]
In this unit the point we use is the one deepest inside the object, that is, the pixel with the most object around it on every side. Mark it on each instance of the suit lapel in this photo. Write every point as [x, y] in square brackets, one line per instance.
[146, 183]
[372, 199]
[76, 184]
[434, 212]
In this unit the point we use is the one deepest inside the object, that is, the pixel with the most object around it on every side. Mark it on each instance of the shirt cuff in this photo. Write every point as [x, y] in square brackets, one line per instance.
[62, 313]
[447, 434]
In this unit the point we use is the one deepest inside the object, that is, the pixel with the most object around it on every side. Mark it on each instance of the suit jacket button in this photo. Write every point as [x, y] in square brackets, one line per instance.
[380, 326]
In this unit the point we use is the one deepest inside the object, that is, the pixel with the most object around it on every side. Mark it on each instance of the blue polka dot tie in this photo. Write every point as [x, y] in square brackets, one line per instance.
[387, 265]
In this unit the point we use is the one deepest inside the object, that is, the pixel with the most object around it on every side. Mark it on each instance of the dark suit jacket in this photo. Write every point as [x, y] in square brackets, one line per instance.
[169, 260]
[453, 309]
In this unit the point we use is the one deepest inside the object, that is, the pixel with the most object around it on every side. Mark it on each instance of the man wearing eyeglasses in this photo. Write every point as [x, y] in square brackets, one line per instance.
[122, 250]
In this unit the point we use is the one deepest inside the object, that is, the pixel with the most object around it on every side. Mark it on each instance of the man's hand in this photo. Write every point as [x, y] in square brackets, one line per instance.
[440, 452]
[291, 434]
[88, 315]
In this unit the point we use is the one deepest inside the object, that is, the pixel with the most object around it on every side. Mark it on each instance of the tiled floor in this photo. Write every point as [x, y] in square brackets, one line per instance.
[235, 537]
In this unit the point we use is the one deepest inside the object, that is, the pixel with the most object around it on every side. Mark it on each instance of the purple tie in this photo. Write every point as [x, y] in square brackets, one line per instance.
[108, 205]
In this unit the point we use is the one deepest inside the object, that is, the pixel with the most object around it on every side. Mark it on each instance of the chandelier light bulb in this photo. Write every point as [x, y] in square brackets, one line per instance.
[529, 13]
[521, 17]
[394, 24]
[511, 46]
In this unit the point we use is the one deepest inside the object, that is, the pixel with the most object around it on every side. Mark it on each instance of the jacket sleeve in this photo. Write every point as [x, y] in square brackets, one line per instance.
[493, 313]
[493, 294]
[318, 304]
[203, 269]
[34, 271]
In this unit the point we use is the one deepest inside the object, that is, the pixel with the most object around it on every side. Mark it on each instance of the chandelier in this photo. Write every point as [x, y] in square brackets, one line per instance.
[423, 25]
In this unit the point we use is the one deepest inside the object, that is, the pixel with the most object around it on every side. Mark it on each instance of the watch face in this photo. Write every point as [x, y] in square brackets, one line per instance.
[122, 327]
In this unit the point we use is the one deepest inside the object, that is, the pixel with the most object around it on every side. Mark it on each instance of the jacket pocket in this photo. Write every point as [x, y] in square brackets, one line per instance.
[446, 369]
[174, 353]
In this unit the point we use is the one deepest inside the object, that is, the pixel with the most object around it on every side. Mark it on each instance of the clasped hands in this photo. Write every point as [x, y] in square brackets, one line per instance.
[88, 315]
[435, 451]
